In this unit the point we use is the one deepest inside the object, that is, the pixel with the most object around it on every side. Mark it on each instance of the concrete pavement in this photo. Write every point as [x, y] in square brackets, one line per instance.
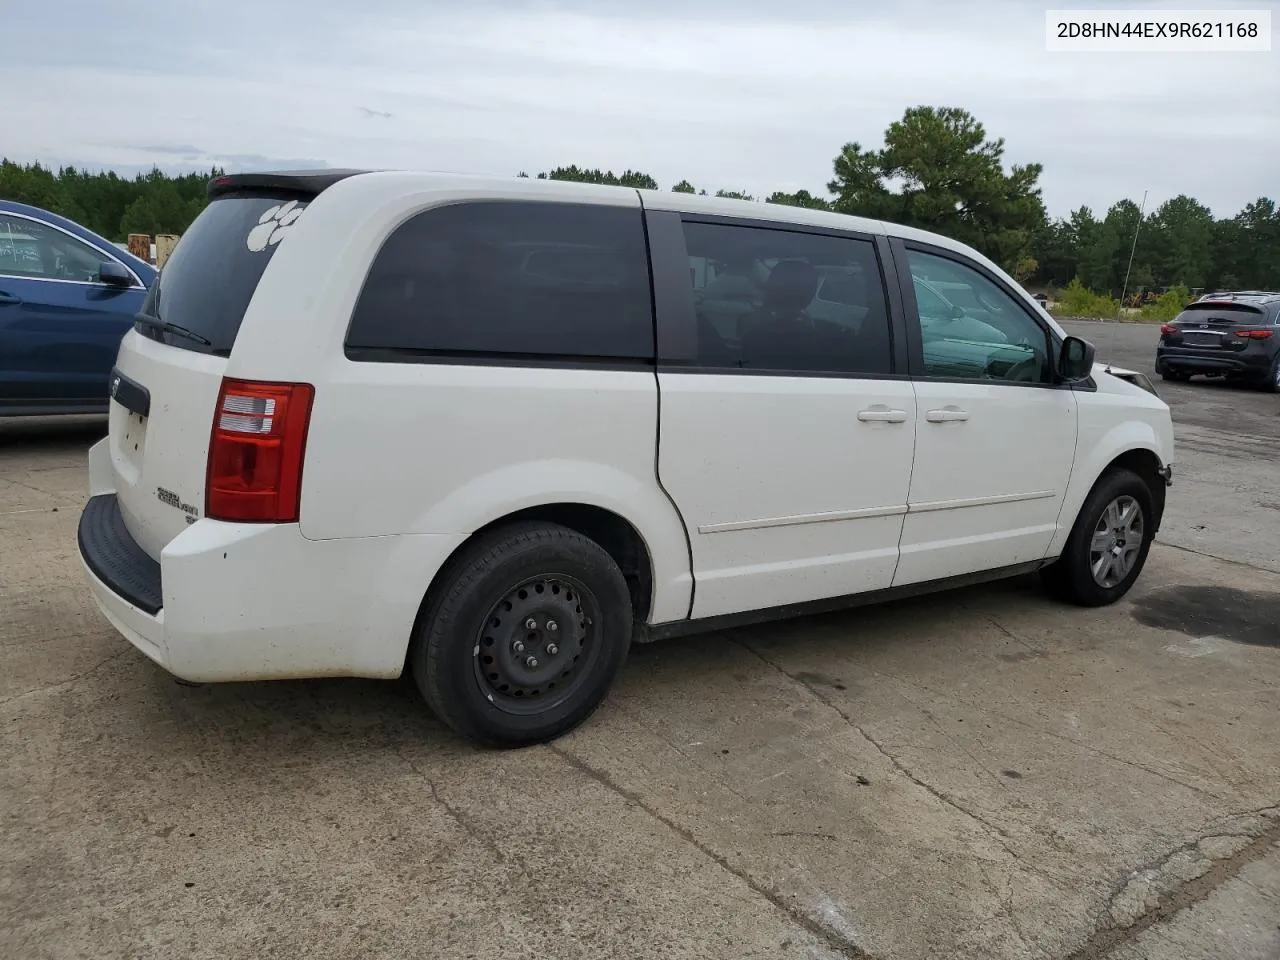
[979, 774]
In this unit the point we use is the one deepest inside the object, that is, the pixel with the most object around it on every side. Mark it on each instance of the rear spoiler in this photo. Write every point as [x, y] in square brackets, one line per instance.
[1206, 306]
[310, 182]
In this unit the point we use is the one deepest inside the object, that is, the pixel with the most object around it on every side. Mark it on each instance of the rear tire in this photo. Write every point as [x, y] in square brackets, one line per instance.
[524, 636]
[1174, 375]
[1100, 561]
[1272, 384]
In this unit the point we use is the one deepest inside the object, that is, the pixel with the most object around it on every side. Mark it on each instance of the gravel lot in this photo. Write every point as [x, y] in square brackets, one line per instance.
[981, 774]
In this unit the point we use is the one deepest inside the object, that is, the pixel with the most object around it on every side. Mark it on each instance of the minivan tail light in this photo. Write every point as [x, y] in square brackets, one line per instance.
[1254, 334]
[256, 451]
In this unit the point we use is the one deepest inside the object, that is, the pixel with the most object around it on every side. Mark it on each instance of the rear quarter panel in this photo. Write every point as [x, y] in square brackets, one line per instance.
[418, 448]
[447, 449]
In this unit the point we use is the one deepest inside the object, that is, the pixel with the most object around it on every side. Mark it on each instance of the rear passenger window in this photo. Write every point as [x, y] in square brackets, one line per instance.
[509, 278]
[780, 301]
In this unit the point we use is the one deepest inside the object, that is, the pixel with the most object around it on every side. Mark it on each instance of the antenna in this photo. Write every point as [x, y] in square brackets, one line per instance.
[1128, 269]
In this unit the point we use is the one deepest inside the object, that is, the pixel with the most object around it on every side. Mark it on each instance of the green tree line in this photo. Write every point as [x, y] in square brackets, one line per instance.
[936, 168]
[108, 204]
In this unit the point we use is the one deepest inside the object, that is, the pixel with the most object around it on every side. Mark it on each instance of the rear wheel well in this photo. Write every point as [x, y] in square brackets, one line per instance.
[619, 538]
[615, 534]
[1147, 466]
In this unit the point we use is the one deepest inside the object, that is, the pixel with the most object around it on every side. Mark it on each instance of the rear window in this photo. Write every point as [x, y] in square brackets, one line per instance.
[499, 278]
[208, 280]
[1208, 308]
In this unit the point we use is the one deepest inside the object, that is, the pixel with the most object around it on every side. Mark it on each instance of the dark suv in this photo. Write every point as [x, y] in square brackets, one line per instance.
[1232, 335]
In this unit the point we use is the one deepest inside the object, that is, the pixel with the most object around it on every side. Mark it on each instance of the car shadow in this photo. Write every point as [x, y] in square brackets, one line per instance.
[51, 434]
[301, 722]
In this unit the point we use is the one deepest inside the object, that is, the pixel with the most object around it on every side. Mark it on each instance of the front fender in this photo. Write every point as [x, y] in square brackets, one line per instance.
[1097, 448]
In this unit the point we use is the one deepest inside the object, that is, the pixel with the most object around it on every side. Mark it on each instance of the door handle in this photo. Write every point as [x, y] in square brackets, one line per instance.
[878, 414]
[8, 298]
[946, 415]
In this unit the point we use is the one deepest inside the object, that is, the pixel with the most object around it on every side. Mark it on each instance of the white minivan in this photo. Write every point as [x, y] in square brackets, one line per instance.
[492, 431]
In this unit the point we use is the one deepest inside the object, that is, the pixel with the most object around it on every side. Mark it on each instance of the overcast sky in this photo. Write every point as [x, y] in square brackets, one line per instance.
[734, 94]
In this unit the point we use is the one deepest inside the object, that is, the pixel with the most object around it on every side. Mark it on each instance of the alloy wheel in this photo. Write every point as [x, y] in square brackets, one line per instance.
[1117, 541]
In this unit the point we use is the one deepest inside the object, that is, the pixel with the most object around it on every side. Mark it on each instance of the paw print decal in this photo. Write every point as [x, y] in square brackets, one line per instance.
[273, 225]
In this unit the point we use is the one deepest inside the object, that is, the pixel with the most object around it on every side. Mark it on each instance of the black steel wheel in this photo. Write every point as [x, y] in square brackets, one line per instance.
[523, 635]
[537, 644]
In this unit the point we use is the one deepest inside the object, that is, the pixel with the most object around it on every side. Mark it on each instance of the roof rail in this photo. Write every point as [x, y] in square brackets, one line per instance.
[1241, 294]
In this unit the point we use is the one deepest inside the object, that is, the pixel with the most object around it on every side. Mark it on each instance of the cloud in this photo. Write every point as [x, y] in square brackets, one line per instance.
[743, 94]
[257, 161]
[169, 149]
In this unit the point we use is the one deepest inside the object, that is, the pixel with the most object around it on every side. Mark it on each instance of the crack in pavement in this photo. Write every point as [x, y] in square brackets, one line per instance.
[1012, 636]
[1001, 835]
[1110, 936]
[999, 781]
[834, 939]
[1214, 556]
[1270, 810]
[1207, 754]
[469, 828]
[48, 688]
[62, 497]
[1114, 757]
[930, 788]
[1010, 913]
[1048, 732]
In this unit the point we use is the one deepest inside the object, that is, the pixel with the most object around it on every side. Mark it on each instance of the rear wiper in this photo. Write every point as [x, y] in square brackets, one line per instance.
[157, 324]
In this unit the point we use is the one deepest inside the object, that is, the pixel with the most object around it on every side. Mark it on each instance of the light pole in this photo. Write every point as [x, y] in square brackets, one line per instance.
[1129, 268]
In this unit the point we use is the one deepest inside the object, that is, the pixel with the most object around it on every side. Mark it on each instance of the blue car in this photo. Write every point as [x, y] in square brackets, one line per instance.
[67, 297]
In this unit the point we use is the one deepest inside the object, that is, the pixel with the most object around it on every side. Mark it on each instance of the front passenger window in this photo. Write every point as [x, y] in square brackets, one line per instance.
[971, 328]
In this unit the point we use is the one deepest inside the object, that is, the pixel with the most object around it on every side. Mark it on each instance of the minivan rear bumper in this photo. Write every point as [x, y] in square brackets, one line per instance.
[115, 582]
[230, 601]
[114, 557]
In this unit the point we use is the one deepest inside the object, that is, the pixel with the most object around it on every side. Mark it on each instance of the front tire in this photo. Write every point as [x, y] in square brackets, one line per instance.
[524, 637]
[1108, 544]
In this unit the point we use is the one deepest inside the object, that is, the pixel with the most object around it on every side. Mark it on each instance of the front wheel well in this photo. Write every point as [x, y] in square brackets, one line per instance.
[1148, 467]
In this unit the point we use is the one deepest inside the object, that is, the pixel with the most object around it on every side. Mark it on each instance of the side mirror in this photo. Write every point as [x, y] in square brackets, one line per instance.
[113, 274]
[1075, 360]
[957, 312]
